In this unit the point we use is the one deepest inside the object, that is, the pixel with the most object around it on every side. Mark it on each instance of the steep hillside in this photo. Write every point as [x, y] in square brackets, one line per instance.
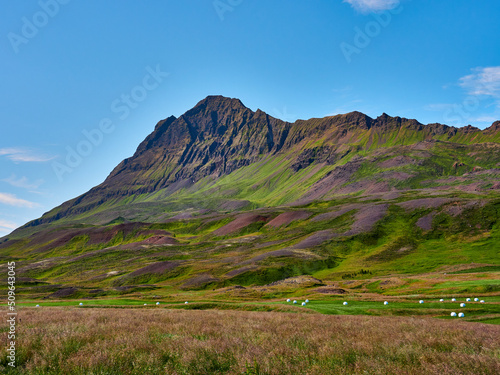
[222, 155]
[224, 196]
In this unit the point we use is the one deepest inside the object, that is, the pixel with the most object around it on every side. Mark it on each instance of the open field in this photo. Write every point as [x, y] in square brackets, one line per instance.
[69, 340]
[487, 311]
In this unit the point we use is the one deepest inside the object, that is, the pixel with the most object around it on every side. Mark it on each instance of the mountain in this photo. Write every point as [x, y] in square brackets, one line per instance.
[225, 195]
[220, 136]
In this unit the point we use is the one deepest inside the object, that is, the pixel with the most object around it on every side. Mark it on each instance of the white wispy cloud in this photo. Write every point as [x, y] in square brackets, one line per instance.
[7, 226]
[367, 6]
[483, 81]
[343, 92]
[439, 107]
[12, 200]
[23, 182]
[19, 154]
[353, 105]
[486, 118]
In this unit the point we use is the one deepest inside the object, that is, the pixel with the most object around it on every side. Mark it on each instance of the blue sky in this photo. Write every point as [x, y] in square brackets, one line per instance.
[84, 82]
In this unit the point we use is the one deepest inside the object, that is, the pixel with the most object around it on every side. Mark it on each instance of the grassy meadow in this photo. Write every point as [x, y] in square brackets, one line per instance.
[91, 341]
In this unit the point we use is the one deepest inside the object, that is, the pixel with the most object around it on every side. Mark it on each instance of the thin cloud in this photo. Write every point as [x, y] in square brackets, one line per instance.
[24, 155]
[438, 107]
[12, 200]
[350, 106]
[486, 118]
[367, 6]
[7, 226]
[344, 92]
[483, 81]
[23, 182]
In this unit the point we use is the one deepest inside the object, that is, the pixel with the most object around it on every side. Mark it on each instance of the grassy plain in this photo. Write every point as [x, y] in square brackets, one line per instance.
[70, 340]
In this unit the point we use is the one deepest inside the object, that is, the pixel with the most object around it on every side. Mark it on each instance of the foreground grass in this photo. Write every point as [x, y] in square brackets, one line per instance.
[63, 340]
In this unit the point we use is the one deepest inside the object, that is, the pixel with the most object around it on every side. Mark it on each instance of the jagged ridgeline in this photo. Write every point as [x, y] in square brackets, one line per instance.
[339, 193]
[222, 155]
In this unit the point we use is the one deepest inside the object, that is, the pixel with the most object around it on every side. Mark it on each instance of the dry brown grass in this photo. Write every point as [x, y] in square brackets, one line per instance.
[161, 341]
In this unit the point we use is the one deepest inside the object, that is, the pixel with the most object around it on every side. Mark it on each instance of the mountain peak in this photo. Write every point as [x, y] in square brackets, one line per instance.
[219, 101]
[384, 119]
[469, 129]
[356, 119]
[494, 127]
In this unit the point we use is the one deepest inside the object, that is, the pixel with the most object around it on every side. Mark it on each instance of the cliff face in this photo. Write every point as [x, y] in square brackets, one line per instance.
[216, 137]
[220, 135]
